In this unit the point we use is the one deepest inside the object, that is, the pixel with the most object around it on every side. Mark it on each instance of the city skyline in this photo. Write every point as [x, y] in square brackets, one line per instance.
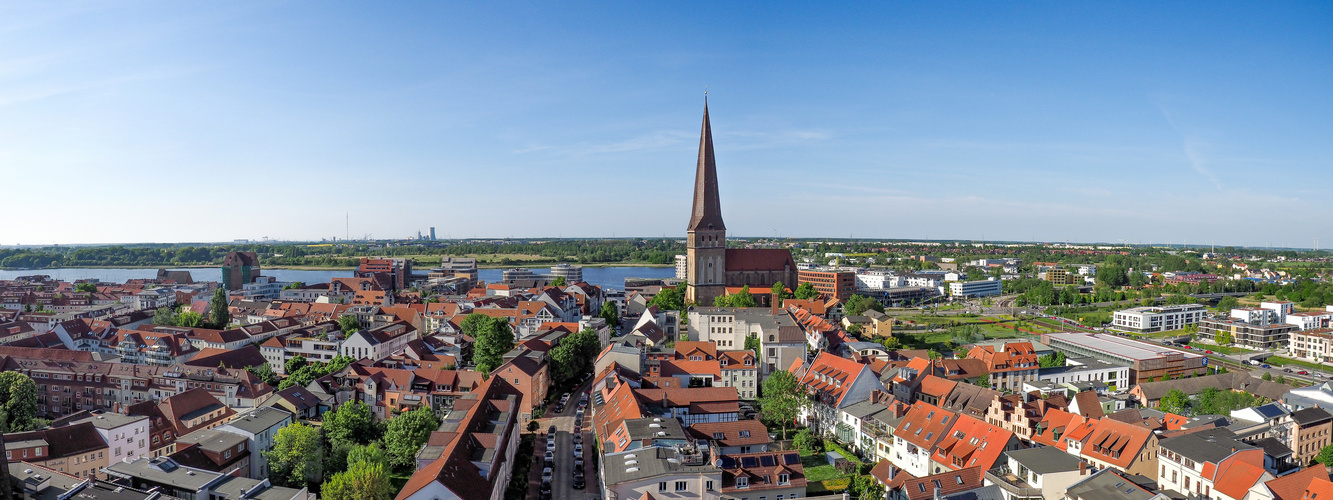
[160, 123]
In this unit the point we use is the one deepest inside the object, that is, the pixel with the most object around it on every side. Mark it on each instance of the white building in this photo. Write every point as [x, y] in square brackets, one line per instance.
[1087, 370]
[1043, 472]
[126, 436]
[1310, 320]
[1158, 318]
[682, 266]
[878, 280]
[378, 343]
[980, 288]
[259, 426]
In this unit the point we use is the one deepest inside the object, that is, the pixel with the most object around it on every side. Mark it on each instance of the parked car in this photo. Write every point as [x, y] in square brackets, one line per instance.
[1288, 370]
[547, 474]
[1254, 362]
[550, 445]
[1267, 366]
[550, 458]
[551, 430]
[579, 483]
[1302, 372]
[1208, 352]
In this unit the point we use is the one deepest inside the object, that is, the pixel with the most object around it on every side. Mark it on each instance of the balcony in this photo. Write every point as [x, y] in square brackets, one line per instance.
[1018, 488]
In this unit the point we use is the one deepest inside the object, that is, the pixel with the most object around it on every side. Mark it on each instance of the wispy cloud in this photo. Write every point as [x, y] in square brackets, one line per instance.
[1192, 147]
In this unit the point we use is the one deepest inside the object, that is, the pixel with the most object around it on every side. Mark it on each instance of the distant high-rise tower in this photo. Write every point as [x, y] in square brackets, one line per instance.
[432, 233]
[706, 236]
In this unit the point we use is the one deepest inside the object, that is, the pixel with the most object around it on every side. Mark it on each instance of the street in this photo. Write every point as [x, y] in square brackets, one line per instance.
[562, 483]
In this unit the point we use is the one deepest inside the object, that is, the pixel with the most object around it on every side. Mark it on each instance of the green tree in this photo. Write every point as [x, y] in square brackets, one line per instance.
[984, 380]
[190, 319]
[1325, 455]
[361, 481]
[265, 373]
[743, 298]
[1227, 304]
[782, 399]
[164, 316]
[780, 290]
[857, 305]
[294, 285]
[558, 282]
[1267, 376]
[1176, 402]
[348, 324]
[1112, 276]
[85, 288]
[295, 365]
[669, 299]
[297, 457]
[807, 442]
[573, 357]
[352, 422]
[1055, 360]
[866, 487]
[1281, 379]
[18, 402]
[372, 453]
[493, 338]
[405, 435]
[1223, 337]
[805, 291]
[218, 314]
[752, 343]
[611, 314]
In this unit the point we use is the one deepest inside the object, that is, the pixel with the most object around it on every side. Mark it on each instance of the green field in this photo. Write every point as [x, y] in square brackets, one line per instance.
[1281, 361]
[1219, 348]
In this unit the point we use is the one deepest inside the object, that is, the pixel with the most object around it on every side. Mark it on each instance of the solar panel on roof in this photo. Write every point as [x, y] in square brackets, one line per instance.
[748, 462]
[792, 458]
[728, 463]
[767, 461]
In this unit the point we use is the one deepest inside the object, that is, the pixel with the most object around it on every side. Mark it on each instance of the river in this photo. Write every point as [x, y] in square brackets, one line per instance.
[605, 277]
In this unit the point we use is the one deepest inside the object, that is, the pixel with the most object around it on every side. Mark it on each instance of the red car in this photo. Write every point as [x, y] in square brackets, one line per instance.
[1302, 372]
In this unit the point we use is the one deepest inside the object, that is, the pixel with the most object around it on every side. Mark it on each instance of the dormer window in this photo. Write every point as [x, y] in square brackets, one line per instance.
[742, 482]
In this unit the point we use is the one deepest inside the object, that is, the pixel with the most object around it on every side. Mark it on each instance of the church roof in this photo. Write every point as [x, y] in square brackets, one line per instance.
[707, 212]
[759, 259]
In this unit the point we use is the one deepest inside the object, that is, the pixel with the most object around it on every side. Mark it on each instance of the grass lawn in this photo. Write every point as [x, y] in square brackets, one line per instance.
[1281, 361]
[818, 469]
[1219, 348]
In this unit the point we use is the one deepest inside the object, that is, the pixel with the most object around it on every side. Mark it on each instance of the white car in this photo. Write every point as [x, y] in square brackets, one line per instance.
[550, 445]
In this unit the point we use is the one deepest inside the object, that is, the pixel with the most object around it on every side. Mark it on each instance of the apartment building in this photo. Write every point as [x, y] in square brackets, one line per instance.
[1314, 345]
[126, 435]
[1157, 318]
[1210, 464]
[471, 455]
[1010, 366]
[75, 449]
[1313, 431]
[1256, 333]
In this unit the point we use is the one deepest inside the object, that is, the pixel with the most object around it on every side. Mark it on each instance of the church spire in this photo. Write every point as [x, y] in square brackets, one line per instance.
[707, 212]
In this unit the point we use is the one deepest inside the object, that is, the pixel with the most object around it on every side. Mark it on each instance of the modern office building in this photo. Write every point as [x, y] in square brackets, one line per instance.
[979, 288]
[1144, 359]
[830, 283]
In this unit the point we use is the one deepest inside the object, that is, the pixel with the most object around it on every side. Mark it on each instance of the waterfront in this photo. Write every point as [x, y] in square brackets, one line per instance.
[605, 277]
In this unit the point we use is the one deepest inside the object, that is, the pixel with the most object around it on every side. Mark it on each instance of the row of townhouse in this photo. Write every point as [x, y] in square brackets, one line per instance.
[71, 381]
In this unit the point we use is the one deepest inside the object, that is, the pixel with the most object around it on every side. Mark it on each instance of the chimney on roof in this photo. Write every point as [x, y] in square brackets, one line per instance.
[1082, 468]
[777, 298]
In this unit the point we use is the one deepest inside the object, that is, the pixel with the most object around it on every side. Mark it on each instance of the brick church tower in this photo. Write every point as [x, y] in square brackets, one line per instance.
[706, 236]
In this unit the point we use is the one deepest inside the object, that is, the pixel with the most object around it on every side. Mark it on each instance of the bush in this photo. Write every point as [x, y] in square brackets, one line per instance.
[807, 442]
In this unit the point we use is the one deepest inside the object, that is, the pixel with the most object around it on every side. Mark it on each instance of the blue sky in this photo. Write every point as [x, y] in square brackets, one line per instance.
[170, 121]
